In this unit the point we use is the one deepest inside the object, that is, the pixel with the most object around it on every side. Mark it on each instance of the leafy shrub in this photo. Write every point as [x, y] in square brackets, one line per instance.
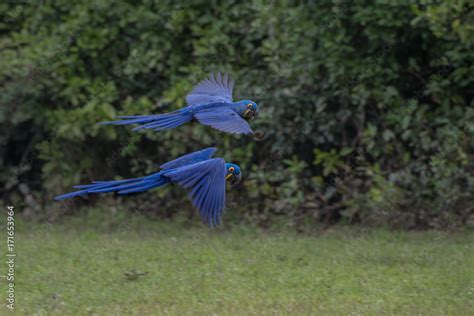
[366, 115]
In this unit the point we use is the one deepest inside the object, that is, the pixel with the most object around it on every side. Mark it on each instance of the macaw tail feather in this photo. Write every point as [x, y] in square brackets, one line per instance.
[120, 186]
[156, 122]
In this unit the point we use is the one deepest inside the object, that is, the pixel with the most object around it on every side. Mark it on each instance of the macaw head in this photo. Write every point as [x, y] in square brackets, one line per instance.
[247, 109]
[234, 175]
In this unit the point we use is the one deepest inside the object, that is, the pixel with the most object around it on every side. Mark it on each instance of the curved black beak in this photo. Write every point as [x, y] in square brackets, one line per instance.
[250, 114]
[234, 179]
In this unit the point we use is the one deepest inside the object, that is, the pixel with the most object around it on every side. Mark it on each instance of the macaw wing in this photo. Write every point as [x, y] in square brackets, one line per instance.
[224, 119]
[215, 89]
[198, 156]
[205, 182]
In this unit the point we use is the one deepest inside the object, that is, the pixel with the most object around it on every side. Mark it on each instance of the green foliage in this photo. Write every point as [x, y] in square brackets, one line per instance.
[363, 105]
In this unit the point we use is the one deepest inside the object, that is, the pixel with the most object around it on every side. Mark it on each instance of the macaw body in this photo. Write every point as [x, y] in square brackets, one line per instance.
[203, 176]
[210, 103]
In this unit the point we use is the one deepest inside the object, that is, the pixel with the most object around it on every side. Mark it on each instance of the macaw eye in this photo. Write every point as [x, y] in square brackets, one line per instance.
[249, 105]
[231, 169]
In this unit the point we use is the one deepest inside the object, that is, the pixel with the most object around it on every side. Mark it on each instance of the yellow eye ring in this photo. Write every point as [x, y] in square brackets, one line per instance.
[249, 105]
[231, 169]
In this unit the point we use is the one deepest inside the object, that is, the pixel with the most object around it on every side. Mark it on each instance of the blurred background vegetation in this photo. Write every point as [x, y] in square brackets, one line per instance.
[366, 108]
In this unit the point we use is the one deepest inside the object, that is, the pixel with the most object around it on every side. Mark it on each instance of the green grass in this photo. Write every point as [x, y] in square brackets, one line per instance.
[146, 267]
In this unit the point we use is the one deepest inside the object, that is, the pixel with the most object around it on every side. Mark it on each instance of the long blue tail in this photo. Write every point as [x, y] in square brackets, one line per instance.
[157, 122]
[120, 186]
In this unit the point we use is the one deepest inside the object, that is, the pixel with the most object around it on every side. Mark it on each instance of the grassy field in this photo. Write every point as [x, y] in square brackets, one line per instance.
[144, 267]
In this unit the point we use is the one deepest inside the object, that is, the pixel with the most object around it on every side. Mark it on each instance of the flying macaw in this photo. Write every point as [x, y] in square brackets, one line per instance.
[210, 103]
[203, 176]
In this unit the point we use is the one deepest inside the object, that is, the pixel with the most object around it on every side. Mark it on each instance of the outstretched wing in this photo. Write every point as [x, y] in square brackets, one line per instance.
[198, 156]
[205, 182]
[224, 119]
[215, 89]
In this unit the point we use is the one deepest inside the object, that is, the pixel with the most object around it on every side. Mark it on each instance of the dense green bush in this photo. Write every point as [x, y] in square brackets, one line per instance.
[366, 109]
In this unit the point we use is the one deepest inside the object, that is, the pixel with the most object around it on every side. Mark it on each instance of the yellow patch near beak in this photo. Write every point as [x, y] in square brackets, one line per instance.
[228, 176]
[246, 111]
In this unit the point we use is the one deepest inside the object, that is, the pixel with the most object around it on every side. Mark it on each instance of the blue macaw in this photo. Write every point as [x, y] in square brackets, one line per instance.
[203, 176]
[210, 103]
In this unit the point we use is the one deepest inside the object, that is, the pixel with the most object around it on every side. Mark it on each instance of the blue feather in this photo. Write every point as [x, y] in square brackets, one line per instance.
[121, 186]
[205, 182]
[198, 156]
[215, 89]
[157, 121]
[224, 119]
